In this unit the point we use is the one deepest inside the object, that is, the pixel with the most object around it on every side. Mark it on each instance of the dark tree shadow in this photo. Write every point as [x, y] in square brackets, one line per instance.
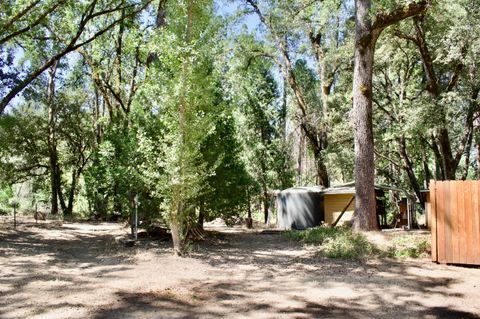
[278, 271]
[255, 275]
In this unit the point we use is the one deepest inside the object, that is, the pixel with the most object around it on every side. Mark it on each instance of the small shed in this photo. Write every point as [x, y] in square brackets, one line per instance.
[305, 207]
[300, 207]
[337, 200]
[341, 198]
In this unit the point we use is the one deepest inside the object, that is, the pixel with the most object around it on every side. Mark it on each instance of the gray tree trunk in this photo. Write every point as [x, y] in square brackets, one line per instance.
[365, 38]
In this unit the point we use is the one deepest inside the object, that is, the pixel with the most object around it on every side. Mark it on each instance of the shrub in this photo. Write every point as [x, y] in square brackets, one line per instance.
[342, 242]
[338, 242]
[409, 246]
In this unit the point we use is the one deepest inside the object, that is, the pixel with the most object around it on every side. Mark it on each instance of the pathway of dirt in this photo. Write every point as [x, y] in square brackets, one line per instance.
[79, 271]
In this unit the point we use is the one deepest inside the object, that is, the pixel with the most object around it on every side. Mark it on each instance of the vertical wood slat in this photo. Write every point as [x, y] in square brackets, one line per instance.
[457, 222]
[433, 219]
[476, 222]
[441, 222]
[465, 216]
[451, 247]
[469, 244]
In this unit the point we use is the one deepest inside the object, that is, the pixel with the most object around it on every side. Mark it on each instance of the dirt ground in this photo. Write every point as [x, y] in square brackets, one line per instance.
[78, 270]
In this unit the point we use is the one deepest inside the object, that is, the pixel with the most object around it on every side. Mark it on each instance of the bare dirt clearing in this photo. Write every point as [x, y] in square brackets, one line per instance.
[78, 271]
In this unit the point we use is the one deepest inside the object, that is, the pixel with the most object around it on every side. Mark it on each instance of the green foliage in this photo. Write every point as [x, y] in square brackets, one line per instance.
[6, 195]
[336, 242]
[199, 113]
[409, 247]
[342, 242]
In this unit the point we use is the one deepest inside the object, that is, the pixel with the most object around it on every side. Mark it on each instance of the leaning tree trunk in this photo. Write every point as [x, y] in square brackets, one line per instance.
[365, 205]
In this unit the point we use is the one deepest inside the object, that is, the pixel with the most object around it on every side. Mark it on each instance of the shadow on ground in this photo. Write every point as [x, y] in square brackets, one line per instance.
[51, 258]
[250, 275]
[280, 283]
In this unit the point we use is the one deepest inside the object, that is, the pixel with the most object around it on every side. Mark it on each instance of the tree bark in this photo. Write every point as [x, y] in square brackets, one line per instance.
[266, 203]
[366, 35]
[365, 38]
[201, 215]
[249, 210]
[175, 227]
[408, 167]
[52, 140]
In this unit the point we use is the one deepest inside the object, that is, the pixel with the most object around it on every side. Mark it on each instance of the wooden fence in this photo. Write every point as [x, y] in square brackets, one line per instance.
[455, 221]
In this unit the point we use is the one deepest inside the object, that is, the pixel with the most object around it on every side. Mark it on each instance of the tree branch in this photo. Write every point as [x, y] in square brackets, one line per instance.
[19, 15]
[72, 46]
[33, 24]
[395, 163]
[384, 20]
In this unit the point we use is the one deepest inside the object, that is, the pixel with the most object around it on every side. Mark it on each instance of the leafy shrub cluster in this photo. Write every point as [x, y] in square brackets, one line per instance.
[336, 242]
[344, 243]
[409, 247]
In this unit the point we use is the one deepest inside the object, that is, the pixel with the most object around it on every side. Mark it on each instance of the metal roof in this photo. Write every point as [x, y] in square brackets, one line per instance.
[339, 190]
[347, 188]
[304, 189]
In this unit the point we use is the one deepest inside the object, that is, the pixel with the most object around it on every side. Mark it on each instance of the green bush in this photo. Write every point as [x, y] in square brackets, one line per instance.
[409, 246]
[342, 242]
[338, 242]
[315, 235]
[6, 195]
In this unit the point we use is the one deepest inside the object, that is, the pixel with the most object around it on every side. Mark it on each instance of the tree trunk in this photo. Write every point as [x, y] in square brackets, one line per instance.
[266, 203]
[59, 190]
[322, 173]
[53, 183]
[300, 159]
[52, 140]
[311, 133]
[71, 194]
[408, 167]
[175, 227]
[249, 220]
[365, 38]
[178, 221]
[201, 215]
[366, 35]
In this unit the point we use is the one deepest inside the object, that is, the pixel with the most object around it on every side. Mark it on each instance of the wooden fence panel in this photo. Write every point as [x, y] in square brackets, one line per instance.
[455, 225]
[476, 222]
[433, 221]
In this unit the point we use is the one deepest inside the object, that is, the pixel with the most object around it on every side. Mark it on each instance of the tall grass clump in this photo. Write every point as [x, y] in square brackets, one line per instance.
[409, 247]
[335, 242]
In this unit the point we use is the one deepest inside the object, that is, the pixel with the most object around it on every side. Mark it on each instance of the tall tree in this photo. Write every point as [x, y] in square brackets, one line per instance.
[368, 27]
[44, 20]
